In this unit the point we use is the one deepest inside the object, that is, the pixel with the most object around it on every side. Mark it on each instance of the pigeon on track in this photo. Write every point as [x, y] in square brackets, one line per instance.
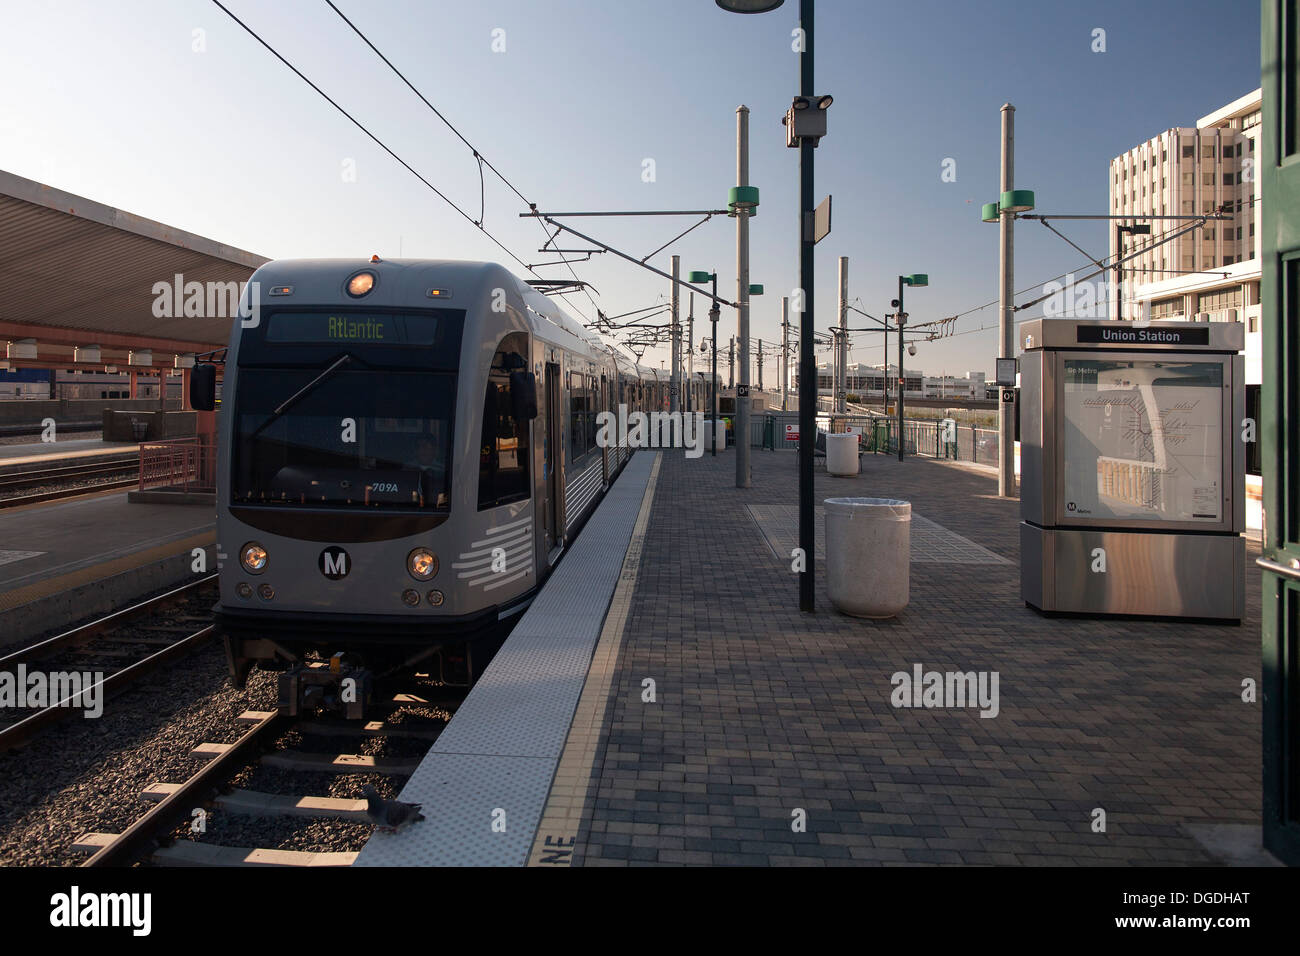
[389, 814]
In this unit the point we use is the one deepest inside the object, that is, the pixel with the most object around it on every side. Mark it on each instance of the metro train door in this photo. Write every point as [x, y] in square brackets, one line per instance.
[554, 510]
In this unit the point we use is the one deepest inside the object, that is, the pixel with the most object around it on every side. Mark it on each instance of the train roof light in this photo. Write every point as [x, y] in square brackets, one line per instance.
[360, 284]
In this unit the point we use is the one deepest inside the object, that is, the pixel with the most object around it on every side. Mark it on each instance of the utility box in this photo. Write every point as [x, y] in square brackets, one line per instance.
[1132, 492]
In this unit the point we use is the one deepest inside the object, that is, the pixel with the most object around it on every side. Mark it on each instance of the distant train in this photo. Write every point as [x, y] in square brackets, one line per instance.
[80, 384]
[406, 449]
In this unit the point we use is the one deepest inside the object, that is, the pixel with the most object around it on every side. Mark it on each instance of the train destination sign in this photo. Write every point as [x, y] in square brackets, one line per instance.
[351, 327]
[1123, 334]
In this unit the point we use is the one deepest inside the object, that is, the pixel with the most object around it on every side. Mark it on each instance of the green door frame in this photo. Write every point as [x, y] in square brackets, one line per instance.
[1279, 169]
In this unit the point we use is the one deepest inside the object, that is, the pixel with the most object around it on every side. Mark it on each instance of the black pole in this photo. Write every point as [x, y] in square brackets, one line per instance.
[713, 385]
[884, 370]
[807, 361]
[900, 321]
[1119, 272]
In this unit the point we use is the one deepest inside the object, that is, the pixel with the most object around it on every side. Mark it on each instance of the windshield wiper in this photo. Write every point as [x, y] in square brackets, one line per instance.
[298, 395]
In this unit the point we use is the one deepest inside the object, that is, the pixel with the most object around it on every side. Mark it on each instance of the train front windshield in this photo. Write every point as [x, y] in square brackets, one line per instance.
[358, 438]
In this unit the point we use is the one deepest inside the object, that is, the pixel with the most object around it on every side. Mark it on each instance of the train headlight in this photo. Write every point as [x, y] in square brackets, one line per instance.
[360, 284]
[253, 557]
[244, 589]
[435, 598]
[265, 592]
[422, 563]
[410, 597]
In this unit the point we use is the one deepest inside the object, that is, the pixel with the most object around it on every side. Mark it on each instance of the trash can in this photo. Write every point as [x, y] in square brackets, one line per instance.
[139, 429]
[842, 454]
[868, 555]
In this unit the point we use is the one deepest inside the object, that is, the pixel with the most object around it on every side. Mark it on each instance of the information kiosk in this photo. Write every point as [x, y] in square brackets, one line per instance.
[1132, 492]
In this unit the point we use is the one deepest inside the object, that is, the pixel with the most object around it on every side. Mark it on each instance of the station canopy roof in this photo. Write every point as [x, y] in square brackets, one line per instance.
[76, 274]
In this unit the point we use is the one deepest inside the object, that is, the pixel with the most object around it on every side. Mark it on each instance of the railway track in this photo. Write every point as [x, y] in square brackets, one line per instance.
[294, 759]
[66, 481]
[115, 651]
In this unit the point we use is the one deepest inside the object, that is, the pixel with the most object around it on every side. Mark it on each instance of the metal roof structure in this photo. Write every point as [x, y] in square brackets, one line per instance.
[75, 273]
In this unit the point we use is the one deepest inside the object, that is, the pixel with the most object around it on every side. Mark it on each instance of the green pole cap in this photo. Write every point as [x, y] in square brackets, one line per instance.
[989, 212]
[755, 289]
[742, 197]
[700, 277]
[1017, 200]
[917, 279]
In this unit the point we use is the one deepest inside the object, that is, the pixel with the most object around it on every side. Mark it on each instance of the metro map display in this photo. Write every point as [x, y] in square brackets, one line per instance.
[1143, 440]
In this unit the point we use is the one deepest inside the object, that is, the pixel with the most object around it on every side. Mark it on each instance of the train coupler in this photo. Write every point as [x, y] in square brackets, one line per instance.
[332, 686]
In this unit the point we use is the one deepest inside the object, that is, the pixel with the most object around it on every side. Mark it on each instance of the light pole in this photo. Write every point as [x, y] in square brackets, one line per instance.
[713, 349]
[917, 280]
[1141, 229]
[805, 124]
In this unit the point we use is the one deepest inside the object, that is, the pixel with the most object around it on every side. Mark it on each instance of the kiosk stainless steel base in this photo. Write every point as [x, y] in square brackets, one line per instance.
[1133, 468]
[1175, 575]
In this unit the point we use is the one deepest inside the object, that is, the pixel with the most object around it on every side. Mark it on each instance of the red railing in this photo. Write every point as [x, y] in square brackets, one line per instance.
[178, 464]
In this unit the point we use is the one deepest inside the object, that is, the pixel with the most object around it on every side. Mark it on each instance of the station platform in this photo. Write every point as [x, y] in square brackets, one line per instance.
[35, 454]
[719, 725]
[64, 560]
[765, 715]
[485, 781]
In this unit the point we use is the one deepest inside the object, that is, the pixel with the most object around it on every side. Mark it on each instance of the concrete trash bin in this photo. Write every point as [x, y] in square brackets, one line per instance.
[842, 454]
[868, 555]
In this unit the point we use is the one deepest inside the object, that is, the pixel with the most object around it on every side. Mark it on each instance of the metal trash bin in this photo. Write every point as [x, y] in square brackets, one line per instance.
[868, 555]
[139, 429]
[842, 454]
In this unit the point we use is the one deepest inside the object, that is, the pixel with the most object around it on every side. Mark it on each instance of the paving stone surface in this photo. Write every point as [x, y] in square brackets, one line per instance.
[762, 711]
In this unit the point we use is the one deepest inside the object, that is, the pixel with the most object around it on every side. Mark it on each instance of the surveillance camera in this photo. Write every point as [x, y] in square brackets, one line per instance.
[911, 349]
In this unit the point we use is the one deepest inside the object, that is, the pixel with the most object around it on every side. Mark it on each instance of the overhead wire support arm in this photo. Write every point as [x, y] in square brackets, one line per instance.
[1169, 237]
[1093, 258]
[548, 218]
[678, 236]
[654, 212]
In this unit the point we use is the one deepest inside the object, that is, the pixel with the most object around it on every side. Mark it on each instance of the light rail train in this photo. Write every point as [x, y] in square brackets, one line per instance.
[406, 448]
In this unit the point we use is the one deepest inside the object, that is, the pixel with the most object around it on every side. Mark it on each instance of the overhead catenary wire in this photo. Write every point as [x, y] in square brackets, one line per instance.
[359, 125]
[482, 161]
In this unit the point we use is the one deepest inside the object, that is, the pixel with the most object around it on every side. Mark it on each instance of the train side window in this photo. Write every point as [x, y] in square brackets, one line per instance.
[577, 417]
[504, 449]
[594, 399]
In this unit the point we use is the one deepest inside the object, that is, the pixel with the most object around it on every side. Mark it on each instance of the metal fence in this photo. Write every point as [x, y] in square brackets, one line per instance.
[879, 435]
[181, 464]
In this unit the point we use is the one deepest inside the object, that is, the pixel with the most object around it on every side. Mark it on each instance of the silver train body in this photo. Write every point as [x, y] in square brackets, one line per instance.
[387, 495]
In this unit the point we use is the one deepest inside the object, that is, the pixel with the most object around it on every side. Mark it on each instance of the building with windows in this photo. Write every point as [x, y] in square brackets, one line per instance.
[867, 380]
[1210, 274]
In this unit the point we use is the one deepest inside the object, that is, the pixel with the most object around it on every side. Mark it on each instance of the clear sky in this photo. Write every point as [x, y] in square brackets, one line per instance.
[126, 104]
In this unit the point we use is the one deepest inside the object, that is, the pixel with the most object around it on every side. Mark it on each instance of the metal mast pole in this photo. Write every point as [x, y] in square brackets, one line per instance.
[807, 359]
[690, 352]
[713, 381]
[842, 370]
[675, 387]
[1006, 311]
[742, 299]
[784, 364]
[900, 321]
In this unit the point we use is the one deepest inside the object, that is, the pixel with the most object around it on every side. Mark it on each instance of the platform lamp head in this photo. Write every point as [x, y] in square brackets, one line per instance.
[749, 6]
